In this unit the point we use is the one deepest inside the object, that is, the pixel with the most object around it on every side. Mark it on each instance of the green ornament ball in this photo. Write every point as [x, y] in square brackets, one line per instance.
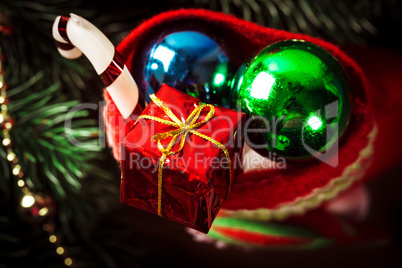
[297, 97]
[219, 85]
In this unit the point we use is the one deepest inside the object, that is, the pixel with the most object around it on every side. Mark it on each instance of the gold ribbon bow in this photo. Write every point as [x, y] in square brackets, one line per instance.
[189, 126]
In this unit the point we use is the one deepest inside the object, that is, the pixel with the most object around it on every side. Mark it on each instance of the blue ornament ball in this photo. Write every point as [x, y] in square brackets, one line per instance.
[191, 62]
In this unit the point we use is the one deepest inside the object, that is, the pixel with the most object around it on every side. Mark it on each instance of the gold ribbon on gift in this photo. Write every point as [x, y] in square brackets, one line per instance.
[189, 126]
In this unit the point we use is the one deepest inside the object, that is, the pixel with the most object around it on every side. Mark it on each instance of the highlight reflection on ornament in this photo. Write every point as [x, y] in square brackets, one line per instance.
[191, 62]
[297, 95]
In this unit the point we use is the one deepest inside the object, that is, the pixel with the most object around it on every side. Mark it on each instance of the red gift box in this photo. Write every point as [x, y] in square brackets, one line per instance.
[180, 158]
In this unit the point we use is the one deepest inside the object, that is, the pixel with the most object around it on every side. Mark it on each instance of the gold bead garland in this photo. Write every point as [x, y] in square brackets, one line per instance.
[28, 199]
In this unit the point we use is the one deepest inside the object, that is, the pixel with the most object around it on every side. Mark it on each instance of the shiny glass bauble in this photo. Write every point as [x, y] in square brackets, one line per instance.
[191, 62]
[297, 97]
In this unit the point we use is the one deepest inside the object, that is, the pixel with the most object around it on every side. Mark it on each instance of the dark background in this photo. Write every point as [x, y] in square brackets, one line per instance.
[116, 235]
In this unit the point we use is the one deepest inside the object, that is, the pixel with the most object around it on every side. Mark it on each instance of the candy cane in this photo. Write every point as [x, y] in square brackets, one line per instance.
[75, 36]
